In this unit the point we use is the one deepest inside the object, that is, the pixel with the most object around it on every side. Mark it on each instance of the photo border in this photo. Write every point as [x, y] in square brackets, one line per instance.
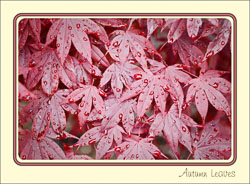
[179, 163]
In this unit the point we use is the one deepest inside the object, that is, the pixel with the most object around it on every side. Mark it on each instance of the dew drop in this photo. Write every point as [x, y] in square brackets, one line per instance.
[215, 85]
[92, 141]
[39, 138]
[40, 68]
[58, 45]
[86, 113]
[145, 81]
[171, 40]
[118, 90]
[24, 157]
[209, 54]
[174, 99]
[120, 116]
[99, 112]
[193, 36]
[184, 129]
[166, 88]
[138, 54]
[157, 153]
[151, 93]
[196, 140]
[45, 83]
[115, 44]
[85, 39]
[69, 27]
[222, 43]
[108, 44]
[118, 149]
[32, 63]
[78, 26]
[81, 104]
[102, 93]
[138, 76]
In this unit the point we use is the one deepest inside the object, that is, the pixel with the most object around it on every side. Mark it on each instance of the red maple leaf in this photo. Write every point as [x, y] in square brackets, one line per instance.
[119, 112]
[127, 41]
[46, 110]
[112, 22]
[174, 128]
[188, 52]
[209, 145]
[209, 86]
[120, 75]
[220, 41]
[174, 76]
[48, 68]
[105, 139]
[75, 30]
[140, 149]
[193, 25]
[29, 27]
[89, 95]
[46, 149]
[148, 88]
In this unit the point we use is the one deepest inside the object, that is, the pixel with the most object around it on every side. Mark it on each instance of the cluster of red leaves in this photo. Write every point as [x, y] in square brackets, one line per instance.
[124, 88]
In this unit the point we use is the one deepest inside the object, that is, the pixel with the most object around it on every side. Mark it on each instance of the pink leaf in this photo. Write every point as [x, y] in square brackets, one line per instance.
[111, 22]
[209, 145]
[88, 94]
[126, 42]
[176, 30]
[90, 137]
[173, 76]
[188, 53]
[149, 87]
[45, 149]
[50, 78]
[67, 30]
[107, 140]
[24, 93]
[120, 75]
[44, 69]
[174, 128]
[138, 150]
[152, 25]
[220, 41]
[30, 110]
[193, 25]
[214, 21]
[99, 57]
[208, 87]
[41, 121]
[119, 112]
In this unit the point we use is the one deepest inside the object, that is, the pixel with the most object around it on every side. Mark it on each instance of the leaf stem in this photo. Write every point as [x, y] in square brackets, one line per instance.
[189, 155]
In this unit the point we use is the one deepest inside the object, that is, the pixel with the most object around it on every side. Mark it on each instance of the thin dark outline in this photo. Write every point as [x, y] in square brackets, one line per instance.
[128, 163]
